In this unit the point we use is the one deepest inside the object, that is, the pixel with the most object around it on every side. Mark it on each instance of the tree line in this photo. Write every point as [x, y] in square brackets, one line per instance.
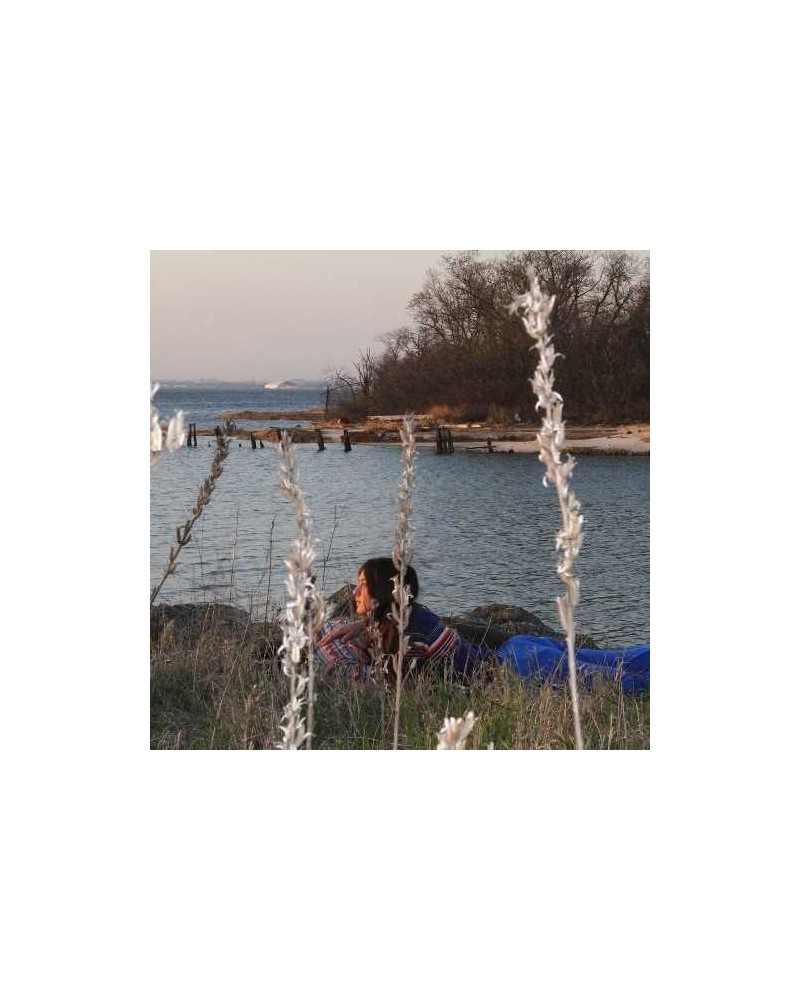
[463, 350]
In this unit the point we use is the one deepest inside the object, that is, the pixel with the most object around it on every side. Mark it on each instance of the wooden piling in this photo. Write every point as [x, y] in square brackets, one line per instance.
[253, 441]
[346, 438]
[320, 440]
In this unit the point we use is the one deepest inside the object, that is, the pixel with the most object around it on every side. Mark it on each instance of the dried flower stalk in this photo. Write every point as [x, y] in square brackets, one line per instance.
[203, 499]
[176, 434]
[535, 316]
[453, 734]
[401, 556]
[305, 611]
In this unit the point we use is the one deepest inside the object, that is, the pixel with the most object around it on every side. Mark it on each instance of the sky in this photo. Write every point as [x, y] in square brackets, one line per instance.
[264, 315]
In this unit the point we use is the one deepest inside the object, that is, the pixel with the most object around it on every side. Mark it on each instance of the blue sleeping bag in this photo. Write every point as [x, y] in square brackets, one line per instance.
[546, 659]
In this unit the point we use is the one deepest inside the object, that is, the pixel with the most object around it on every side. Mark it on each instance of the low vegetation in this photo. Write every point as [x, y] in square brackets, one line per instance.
[220, 686]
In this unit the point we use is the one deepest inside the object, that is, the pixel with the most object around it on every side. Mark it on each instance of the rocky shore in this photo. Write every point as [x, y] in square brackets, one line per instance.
[490, 624]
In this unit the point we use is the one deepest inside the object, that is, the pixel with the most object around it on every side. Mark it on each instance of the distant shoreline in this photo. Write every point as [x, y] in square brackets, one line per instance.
[611, 439]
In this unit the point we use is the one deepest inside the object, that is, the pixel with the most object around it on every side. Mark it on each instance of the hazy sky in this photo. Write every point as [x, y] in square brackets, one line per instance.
[263, 315]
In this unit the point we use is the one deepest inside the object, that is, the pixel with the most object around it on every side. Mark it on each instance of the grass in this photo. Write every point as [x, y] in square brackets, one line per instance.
[220, 686]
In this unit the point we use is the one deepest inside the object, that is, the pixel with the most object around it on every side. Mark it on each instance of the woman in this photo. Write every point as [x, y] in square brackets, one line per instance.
[354, 646]
[349, 645]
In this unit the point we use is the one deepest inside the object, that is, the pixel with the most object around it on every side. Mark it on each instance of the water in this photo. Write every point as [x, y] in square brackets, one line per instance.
[484, 525]
[204, 404]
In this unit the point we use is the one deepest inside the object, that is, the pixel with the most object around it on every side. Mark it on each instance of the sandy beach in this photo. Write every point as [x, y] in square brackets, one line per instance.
[613, 439]
[517, 438]
[622, 439]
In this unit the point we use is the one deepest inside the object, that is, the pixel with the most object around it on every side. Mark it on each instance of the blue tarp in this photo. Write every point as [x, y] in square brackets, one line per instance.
[546, 659]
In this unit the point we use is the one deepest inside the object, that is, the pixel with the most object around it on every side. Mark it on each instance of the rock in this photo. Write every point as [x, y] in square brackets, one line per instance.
[341, 604]
[194, 617]
[503, 613]
[492, 624]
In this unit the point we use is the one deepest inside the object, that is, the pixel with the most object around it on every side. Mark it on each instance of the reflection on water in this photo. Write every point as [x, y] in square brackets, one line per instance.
[484, 529]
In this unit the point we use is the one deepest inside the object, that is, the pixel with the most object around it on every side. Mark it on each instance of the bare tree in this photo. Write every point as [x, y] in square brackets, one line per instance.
[463, 349]
[357, 382]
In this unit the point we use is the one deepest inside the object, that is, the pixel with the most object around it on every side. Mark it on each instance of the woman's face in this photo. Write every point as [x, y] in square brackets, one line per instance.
[361, 596]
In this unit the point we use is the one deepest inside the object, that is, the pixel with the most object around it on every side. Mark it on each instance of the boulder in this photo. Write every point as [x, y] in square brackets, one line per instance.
[490, 624]
[341, 603]
[194, 617]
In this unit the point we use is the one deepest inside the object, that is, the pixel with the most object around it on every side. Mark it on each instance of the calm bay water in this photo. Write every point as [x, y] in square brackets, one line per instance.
[484, 525]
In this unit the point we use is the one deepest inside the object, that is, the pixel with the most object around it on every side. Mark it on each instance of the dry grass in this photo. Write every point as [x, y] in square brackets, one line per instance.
[219, 686]
[443, 414]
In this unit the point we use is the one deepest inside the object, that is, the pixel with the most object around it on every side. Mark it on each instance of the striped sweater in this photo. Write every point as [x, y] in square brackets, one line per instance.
[433, 642]
[430, 642]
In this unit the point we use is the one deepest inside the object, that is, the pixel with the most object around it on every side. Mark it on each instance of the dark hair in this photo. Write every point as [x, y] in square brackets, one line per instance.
[380, 574]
